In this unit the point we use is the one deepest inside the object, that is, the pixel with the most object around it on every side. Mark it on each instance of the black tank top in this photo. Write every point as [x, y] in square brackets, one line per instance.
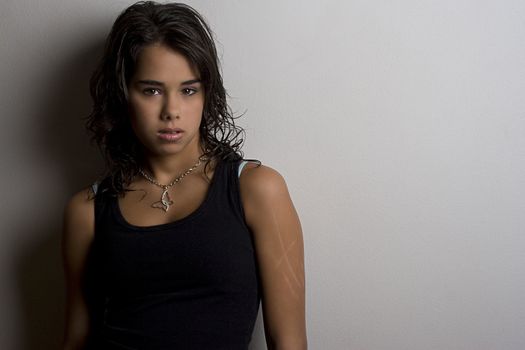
[188, 284]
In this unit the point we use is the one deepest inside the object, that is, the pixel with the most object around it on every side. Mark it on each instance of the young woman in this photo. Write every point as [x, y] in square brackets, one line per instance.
[182, 238]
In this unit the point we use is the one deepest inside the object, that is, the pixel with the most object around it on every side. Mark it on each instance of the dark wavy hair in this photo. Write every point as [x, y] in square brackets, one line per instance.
[184, 30]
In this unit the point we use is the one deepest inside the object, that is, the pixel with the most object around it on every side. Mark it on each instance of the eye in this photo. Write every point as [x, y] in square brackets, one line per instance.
[189, 91]
[151, 91]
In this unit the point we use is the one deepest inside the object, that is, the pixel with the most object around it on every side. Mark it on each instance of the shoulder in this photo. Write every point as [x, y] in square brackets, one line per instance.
[261, 182]
[79, 214]
[264, 193]
[82, 202]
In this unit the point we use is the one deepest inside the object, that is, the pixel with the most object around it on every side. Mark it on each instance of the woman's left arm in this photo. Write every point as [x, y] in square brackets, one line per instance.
[276, 228]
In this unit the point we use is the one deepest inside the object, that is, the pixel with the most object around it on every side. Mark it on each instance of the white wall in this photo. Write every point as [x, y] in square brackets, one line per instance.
[399, 126]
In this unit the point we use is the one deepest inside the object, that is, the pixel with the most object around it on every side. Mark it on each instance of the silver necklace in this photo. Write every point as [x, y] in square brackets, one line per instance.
[165, 200]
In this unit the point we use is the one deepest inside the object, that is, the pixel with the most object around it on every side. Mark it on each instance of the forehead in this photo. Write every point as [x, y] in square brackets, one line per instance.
[160, 62]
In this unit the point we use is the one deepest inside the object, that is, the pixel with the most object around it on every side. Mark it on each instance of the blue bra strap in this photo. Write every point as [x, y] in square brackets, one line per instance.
[241, 165]
[94, 187]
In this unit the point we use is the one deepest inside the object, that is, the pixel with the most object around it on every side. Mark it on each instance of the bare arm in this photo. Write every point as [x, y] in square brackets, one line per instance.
[77, 235]
[274, 222]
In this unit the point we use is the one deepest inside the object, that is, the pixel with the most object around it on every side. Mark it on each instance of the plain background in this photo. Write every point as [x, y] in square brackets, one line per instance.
[398, 125]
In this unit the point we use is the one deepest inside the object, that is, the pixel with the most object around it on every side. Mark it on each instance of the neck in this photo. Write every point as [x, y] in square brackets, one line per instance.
[165, 169]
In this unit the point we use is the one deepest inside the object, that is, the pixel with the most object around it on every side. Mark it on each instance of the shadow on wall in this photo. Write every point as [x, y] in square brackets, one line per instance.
[64, 146]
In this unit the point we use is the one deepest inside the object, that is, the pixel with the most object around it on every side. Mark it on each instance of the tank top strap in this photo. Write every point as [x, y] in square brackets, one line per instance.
[101, 196]
[234, 195]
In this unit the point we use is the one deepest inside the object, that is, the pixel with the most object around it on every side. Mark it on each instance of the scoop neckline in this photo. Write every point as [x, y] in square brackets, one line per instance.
[209, 194]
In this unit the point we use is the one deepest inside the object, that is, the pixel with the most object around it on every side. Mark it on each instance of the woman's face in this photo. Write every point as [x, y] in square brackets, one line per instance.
[166, 101]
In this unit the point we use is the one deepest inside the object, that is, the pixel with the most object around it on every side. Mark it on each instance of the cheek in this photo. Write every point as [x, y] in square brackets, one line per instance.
[132, 115]
[137, 115]
[133, 109]
[197, 107]
[139, 111]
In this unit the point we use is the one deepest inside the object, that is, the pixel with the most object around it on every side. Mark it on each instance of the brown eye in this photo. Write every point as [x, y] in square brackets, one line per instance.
[189, 91]
[151, 91]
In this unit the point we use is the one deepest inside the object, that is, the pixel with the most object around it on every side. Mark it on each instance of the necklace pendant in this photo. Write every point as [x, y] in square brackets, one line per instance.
[165, 201]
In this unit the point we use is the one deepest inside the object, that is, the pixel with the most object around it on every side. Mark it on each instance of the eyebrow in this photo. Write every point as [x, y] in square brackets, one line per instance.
[158, 83]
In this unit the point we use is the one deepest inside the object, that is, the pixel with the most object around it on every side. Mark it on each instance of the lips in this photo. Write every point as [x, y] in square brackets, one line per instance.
[170, 130]
[169, 134]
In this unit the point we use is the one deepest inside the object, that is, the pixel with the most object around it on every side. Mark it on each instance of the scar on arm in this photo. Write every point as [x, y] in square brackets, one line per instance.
[289, 274]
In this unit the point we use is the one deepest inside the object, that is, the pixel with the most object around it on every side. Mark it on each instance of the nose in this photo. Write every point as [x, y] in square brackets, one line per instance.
[171, 107]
